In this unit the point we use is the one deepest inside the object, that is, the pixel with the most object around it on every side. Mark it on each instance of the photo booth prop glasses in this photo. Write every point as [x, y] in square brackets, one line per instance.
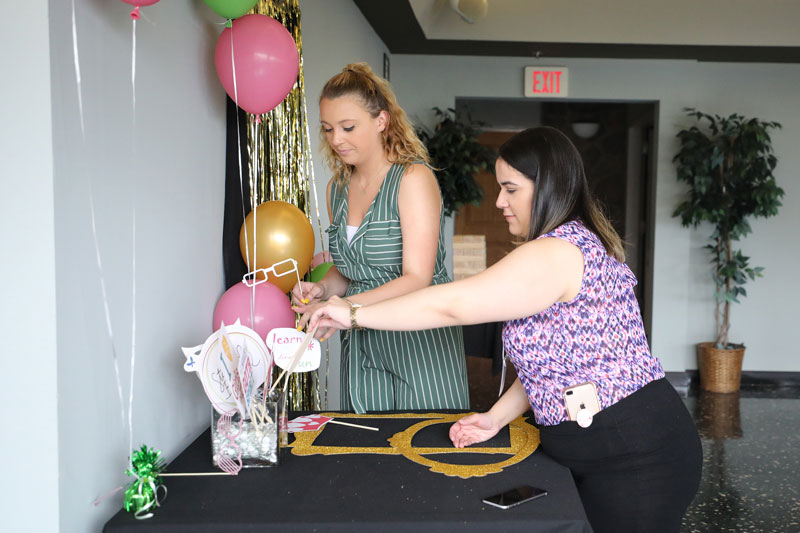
[279, 269]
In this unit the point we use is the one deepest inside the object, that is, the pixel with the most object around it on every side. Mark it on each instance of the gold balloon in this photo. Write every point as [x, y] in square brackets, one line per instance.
[282, 232]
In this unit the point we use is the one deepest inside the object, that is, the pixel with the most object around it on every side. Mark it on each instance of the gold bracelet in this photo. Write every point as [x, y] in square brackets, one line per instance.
[353, 309]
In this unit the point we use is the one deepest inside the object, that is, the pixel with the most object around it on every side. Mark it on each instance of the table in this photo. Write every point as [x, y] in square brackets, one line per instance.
[360, 480]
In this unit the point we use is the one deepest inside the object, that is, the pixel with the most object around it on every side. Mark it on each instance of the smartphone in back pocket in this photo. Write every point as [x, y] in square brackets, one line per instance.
[583, 396]
[515, 496]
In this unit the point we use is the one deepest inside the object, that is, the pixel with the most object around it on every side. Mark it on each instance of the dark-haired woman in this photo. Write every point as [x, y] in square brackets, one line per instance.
[385, 238]
[571, 319]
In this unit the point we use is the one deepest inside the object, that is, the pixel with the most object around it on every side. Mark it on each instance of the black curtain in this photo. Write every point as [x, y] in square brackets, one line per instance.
[237, 196]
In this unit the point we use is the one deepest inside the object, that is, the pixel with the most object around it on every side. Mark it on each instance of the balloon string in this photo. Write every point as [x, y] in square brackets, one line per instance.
[241, 186]
[310, 171]
[95, 240]
[77, 65]
[133, 339]
[255, 225]
[77, 69]
[100, 499]
[133, 244]
[144, 16]
[105, 303]
[133, 70]
[239, 153]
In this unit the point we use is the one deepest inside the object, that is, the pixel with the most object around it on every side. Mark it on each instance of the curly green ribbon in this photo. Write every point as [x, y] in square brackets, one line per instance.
[146, 467]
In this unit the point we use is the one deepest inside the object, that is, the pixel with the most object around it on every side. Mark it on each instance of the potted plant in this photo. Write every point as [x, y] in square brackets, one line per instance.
[727, 163]
[457, 156]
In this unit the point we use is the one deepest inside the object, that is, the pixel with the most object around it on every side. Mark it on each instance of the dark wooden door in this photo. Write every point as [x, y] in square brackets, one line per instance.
[485, 219]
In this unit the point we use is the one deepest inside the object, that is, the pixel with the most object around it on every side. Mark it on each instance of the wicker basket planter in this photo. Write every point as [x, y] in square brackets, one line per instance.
[720, 370]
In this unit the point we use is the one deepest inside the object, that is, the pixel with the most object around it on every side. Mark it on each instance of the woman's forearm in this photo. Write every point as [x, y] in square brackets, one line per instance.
[431, 307]
[397, 287]
[511, 404]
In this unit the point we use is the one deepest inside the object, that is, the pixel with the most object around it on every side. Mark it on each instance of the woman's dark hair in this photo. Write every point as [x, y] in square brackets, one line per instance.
[560, 191]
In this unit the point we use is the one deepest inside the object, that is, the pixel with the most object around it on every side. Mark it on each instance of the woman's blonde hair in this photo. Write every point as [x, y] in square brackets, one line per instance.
[399, 139]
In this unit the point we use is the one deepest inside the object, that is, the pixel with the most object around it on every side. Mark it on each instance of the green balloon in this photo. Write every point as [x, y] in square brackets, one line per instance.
[231, 9]
[319, 271]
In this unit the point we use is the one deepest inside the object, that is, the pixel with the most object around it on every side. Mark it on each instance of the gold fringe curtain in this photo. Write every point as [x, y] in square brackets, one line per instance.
[281, 169]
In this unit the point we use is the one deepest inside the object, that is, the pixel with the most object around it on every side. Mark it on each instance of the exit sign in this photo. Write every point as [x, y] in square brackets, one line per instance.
[546, 82]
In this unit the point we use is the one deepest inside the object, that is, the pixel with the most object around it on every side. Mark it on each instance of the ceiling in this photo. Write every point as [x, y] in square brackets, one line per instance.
[764, 31]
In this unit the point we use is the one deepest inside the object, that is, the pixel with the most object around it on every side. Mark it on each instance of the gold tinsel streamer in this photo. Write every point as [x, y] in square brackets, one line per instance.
[281, 169]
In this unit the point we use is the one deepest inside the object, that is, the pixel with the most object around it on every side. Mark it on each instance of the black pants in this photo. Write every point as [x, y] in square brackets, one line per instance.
[637, 467]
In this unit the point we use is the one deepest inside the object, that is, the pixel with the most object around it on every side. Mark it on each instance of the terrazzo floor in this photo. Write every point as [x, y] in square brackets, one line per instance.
[751, 462]
[751, 455]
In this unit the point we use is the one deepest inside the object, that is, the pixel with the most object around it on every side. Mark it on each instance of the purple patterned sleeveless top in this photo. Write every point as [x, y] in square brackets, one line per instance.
[597, 337]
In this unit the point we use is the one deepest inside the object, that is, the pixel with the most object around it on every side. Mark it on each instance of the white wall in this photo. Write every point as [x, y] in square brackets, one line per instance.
[682, 297]
[168, 168]
[675, 22]
[27, 274]
[335, 33]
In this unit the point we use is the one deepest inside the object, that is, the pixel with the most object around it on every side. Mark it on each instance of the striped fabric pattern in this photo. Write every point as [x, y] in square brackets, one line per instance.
[391, 370]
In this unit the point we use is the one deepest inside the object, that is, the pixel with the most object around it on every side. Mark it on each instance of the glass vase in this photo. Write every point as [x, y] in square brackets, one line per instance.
[257, 437]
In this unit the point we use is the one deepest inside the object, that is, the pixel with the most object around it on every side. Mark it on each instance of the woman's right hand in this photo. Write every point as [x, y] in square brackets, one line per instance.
[333, 315]
[477, 427]
[306, 294]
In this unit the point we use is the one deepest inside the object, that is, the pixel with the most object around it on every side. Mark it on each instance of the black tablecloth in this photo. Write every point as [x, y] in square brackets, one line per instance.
[360, 491]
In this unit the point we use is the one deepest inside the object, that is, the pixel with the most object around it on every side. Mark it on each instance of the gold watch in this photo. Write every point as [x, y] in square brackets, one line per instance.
[353, 309]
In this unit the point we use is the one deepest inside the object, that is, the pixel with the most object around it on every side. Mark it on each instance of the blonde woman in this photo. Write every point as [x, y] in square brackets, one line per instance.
[571, 324]
[386, 240]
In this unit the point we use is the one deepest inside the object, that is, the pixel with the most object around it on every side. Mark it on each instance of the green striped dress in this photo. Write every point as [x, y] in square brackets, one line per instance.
[391, 370]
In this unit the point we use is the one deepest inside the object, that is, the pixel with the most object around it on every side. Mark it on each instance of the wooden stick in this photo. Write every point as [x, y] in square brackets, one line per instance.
[275, 384]
[176, 474]
[354, 425]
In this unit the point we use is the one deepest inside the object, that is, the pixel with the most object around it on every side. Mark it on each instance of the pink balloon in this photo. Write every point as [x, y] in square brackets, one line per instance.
[266, 61]
[322, 257]
[138, 4]
[272, 308]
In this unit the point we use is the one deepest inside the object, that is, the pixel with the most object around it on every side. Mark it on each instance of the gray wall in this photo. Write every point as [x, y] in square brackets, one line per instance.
[166, 169]
[683, 293]
[27, 263]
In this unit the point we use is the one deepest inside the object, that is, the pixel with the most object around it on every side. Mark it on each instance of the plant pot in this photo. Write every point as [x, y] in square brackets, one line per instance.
[720, 369]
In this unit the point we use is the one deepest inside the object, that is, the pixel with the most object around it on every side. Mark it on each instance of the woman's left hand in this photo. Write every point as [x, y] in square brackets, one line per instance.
[333, 314]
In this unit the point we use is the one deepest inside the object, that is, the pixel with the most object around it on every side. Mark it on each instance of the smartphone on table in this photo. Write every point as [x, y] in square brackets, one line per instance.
[515, 496]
